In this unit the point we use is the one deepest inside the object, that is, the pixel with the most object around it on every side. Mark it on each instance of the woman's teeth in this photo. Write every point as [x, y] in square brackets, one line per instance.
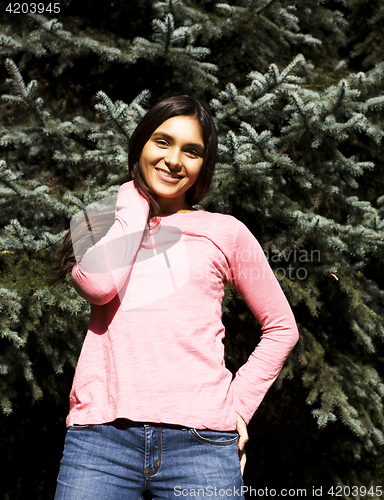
[169, 174]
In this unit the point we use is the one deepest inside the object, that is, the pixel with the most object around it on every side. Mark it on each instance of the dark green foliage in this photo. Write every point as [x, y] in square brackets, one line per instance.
[296, 90]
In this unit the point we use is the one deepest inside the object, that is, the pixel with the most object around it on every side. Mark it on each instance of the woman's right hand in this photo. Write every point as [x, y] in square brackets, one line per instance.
[105, 267]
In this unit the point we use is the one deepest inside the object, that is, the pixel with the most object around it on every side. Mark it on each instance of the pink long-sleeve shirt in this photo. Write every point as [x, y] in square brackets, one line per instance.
[153, 350]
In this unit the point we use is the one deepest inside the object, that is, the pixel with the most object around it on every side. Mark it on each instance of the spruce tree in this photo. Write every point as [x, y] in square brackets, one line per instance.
[300, 163]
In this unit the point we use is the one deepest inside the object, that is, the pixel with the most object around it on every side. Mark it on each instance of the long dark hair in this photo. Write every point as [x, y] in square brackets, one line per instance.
[180, 105]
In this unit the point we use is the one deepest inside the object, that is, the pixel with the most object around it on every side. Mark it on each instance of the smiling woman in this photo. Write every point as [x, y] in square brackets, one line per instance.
[153, 407]
[171, 161]
[202, 139]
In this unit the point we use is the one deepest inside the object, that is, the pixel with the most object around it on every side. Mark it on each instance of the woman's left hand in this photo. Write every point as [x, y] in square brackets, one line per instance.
[243, 438]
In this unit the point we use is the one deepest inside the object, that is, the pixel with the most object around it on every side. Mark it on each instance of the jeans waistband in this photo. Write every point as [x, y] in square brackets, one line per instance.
[125, 423]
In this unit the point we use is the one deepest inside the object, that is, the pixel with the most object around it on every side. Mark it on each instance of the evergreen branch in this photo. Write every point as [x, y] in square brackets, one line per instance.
[12, 98]
[11, 301]
[52, 26]
[25, 92]
[14, 337]
[5, 401]
[13, 70]
[115, 112]
[9, 179]
[261, 9]
[299, 60]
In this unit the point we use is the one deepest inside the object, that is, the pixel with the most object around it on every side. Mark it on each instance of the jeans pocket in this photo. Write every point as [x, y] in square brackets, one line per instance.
[218, 438]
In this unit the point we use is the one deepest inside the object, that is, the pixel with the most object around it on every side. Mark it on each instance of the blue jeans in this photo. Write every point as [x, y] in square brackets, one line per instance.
[125, 461]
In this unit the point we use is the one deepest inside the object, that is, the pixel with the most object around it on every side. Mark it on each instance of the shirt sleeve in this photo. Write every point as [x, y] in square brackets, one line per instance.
[253, 278]
[105, 267]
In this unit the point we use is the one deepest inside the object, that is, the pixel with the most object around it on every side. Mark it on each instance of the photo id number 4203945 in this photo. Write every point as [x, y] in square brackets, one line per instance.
[33, 8]
[355, 491]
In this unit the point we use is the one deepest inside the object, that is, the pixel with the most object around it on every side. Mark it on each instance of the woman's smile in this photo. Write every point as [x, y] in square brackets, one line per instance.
[168, 176]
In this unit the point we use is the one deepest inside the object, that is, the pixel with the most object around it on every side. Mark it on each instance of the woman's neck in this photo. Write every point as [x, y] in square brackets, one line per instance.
[173, 205]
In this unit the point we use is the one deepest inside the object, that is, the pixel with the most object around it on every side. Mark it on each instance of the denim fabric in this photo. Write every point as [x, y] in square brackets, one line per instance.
[119, 461]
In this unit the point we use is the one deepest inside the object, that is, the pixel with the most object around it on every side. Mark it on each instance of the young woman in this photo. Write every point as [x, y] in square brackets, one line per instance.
[153, 409]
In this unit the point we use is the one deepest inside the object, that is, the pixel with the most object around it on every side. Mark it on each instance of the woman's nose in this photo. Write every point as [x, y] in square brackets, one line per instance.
[172, 159]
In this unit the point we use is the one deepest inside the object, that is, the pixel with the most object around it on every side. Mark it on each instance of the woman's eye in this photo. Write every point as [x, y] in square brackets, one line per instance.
[160, 142]
[193, 153]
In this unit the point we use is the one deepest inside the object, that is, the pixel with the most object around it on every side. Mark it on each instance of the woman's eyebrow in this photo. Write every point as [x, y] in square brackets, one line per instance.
[170, 138]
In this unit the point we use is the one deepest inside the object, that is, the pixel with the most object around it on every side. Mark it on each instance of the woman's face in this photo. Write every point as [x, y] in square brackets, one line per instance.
[171, 161]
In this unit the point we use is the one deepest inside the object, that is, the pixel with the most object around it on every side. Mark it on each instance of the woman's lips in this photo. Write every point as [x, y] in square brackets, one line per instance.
[168, 177]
